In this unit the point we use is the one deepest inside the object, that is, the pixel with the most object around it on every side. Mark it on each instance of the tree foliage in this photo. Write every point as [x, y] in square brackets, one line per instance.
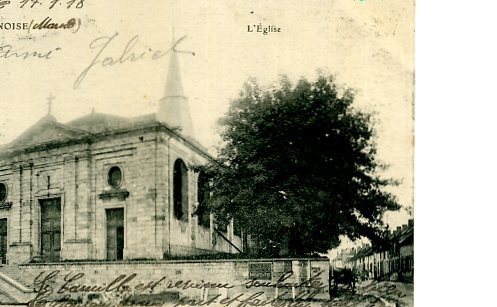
[298, 168]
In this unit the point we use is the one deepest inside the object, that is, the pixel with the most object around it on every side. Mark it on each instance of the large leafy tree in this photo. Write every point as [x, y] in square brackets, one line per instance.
[298, 168]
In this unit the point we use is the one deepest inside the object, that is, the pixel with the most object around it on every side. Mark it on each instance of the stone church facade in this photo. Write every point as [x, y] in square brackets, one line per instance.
[104, 187]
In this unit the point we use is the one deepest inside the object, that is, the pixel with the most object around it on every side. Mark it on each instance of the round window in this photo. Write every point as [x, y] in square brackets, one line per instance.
[3, 192]
[115, 177]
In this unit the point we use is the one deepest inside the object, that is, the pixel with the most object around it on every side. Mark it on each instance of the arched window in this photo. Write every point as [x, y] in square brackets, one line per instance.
[3, 192]
[237, 229]
[203, 196]
[180, 190]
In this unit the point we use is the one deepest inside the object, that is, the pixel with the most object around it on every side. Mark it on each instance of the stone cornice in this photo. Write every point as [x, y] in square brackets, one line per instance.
[120, 194]
[98, 136]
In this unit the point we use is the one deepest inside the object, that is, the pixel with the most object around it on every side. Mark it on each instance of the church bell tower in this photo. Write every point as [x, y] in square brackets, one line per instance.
[174, 110]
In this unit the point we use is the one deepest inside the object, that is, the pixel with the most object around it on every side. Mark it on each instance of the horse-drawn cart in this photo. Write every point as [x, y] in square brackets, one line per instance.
[342, 276]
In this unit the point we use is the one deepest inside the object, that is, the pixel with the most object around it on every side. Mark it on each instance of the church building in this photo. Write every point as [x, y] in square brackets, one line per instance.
[105, 187]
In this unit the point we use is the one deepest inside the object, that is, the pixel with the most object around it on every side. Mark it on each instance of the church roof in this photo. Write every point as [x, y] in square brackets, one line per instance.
[99, 122]
[48, 131]
[45, 130]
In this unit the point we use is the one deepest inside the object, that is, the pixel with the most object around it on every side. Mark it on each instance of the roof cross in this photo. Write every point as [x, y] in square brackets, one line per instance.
[50, 99]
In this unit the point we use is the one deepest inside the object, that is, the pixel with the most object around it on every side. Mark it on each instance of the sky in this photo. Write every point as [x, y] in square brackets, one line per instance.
[368, 45]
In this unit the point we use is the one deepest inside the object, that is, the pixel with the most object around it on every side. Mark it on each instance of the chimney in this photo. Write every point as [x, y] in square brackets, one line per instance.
[404, 227]
[410, 223]
[174, 110]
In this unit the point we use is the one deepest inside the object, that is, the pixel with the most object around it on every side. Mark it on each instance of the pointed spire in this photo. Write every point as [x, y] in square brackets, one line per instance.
[174, 85]
[173, 107]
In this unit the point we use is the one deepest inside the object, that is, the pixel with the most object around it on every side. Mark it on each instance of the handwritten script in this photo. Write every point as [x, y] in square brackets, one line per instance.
[10, 51]
[128, 54]
[67, 289]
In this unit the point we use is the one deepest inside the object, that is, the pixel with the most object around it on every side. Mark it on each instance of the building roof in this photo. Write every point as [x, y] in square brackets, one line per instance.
[363, 252]
[47, 131]
[99, 122]
[406, 235]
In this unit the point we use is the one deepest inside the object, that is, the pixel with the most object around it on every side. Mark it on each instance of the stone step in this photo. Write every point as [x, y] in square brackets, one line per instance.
[16, 273]
[7, 299]
[15, 286]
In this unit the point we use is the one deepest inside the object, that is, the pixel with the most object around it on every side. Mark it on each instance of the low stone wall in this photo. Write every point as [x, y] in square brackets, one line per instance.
[185, 281]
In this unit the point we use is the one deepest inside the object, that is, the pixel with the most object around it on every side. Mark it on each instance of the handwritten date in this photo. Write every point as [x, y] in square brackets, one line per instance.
[29, 4]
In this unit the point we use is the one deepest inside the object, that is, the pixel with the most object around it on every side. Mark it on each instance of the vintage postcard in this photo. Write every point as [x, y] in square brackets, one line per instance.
[206, 153]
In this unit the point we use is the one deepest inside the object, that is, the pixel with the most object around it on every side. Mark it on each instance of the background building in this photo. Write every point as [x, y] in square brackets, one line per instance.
[395, 260]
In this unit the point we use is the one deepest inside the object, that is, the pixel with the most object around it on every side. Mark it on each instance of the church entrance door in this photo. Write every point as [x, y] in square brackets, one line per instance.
[3, 240]
[115, 234]
[50, 229]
